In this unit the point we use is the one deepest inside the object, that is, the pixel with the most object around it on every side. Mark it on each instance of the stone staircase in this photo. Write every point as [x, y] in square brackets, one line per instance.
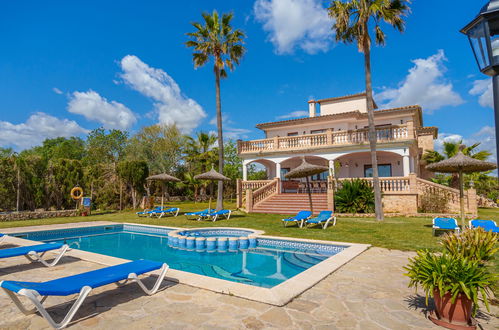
[291, 203]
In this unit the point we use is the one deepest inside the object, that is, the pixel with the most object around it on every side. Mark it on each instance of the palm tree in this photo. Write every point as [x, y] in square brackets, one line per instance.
[219, 40]
[200, 151]
[353, 20]
[450, 149]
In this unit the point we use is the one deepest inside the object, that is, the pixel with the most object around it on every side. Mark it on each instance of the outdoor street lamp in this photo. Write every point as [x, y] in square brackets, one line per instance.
[483, 34]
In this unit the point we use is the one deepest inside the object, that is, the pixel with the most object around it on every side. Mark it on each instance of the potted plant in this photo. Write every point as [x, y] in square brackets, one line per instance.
[455, 283]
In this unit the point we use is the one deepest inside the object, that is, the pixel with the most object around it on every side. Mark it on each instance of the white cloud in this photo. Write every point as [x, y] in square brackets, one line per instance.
[483, 88]
[294, 114]
[170, 104]
[446, 137]
[295, 24]
[37, 128]
[230, 132]
[57, 90]
[112, 115]
[424, 85]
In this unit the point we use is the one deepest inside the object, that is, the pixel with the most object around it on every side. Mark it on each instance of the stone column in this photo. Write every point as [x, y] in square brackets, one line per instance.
[472, 202]
[411, 164]
[406, 165]
[331, 168]
[278, 170]
[245, 172]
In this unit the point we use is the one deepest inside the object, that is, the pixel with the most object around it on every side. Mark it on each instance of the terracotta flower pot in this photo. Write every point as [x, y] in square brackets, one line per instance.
[455, 315]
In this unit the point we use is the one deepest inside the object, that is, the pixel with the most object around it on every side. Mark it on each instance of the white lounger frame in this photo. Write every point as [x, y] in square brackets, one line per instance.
[163, 213]
[38, 300]
[435, 228]
[324, 224]
[214, 217]
[2, 238]
[33, 256]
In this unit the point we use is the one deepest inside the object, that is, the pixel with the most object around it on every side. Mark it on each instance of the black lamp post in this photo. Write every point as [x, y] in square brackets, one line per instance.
[483, 34]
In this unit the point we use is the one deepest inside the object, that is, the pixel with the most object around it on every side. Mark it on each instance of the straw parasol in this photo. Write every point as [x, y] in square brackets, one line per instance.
[163, 177]
[211, 175]
[460, 163]
[304, 171]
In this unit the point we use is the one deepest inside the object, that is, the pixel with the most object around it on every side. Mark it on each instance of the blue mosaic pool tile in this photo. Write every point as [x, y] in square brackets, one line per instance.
[147, 229]
[295, 245]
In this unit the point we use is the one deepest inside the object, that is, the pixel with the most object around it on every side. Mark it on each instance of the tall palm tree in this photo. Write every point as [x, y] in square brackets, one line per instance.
[353, 20]
[201, 154]
[217, 39]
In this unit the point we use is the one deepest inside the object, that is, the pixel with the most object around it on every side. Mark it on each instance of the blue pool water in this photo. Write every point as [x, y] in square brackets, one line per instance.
[271, 262]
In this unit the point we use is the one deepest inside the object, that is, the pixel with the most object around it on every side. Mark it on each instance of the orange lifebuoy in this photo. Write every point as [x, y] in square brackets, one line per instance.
[73, 193]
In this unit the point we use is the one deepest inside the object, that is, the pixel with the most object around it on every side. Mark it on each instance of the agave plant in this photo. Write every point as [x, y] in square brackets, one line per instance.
[474, 244]
[450, 273]
[355, 196]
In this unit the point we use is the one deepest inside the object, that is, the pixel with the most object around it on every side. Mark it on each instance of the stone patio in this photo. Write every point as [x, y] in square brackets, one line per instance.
[369, 292]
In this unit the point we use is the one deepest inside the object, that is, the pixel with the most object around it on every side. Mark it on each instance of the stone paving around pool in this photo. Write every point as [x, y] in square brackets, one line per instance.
[369, 292]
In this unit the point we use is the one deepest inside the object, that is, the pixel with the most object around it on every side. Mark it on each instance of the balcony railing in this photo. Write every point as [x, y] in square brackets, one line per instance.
[328, 139]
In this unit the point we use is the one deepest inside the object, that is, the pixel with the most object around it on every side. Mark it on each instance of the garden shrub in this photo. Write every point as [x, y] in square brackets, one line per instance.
[355, 196]
[433, 202]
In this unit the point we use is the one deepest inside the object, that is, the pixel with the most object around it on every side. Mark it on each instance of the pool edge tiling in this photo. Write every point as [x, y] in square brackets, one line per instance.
[278, 295]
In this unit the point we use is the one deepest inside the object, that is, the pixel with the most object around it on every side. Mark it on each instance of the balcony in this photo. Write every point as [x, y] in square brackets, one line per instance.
[329, 139]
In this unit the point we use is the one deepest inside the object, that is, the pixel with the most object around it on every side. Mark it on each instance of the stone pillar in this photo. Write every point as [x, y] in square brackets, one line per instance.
[472, 202]
[249, 200]
[410, 130]
[239, 194]
[245, 172]
[411, 164]
[331, 168]
[406, 165]
[278, 170]
[330, 193]
[413, 183]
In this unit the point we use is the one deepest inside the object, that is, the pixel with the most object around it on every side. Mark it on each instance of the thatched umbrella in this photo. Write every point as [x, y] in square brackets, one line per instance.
[460, 163]
[304, 171]
[211, 175]
[163, 177]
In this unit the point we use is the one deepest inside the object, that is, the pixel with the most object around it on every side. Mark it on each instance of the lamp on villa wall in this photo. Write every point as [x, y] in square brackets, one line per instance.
[483, 34]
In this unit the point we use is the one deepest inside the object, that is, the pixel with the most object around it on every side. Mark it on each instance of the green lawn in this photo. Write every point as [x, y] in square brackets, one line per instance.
[401, 233]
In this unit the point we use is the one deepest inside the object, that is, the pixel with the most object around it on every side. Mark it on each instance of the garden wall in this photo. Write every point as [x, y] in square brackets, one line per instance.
[27, 215]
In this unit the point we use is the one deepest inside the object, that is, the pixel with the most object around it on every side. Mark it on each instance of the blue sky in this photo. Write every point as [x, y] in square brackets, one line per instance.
[62, 62]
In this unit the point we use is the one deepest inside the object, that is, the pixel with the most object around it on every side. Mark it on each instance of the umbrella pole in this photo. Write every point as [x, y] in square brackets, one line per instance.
[211, 195]
[461, 197]
[309, 195]
[162, 194]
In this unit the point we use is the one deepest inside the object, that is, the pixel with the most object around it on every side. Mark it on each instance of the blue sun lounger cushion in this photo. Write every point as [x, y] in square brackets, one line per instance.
[487, 225]
[2, 237]
[196, 215]
[36, 252]
[445, 224]
[213, 216]
[82, 284]
[171, 211]
[149, 212]
[298, 218]
[322, 219]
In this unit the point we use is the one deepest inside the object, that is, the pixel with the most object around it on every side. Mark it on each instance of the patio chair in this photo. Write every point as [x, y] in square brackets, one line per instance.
[487, 225]
[195, 215]
[445, 224]
[322, 219]
[299, 218]
[173, 211]
[80, 284]
[148, 212]
[215, 215]
[36, 252]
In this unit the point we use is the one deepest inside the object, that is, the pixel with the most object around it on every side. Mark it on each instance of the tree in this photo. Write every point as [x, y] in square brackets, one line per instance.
[161, 146]
[60, 147]
[200, 151]
[105, 147]
[134, 173]
[219, 40]
[450, 149]
[353, 20]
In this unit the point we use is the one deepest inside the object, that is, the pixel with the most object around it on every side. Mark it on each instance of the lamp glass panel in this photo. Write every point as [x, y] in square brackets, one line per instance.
[494, 39]
[478, 41]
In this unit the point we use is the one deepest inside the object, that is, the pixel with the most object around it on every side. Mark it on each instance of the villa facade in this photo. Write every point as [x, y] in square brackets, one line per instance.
[335, 134]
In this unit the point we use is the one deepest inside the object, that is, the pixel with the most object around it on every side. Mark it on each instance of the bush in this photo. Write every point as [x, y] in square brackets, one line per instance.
[433, 202]
[474, 244]
[355, 196]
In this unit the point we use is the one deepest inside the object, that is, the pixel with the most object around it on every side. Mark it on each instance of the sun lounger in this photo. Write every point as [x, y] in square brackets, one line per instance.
[80, 284]
[445, 224]
[173, 211]
[195, 215]
[299, 219]
[487, 225]
[213, 216]
[322, 219]
[2, 237]
[36, 252]
[149, 212]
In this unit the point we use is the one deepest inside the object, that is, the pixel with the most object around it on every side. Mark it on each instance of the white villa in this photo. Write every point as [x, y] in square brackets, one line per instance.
[335, 134]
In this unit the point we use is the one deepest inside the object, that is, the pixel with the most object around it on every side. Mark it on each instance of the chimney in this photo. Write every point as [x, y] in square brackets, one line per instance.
[311, 108]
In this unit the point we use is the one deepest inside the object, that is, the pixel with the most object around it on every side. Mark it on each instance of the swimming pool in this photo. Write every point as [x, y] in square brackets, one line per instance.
[268, 264]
